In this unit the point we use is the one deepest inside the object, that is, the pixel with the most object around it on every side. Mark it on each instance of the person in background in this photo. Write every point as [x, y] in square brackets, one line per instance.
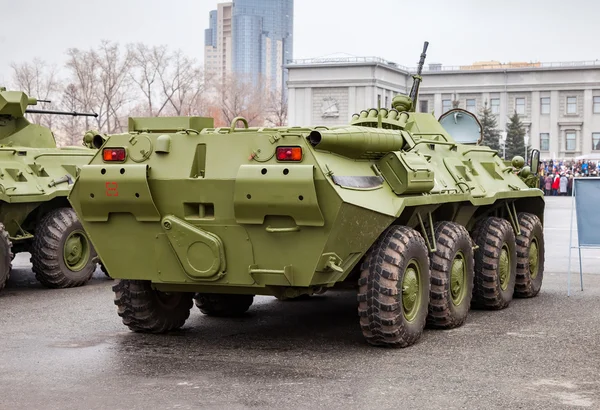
[564, 182]
[555, 184]
[548, 184]
[570, 185]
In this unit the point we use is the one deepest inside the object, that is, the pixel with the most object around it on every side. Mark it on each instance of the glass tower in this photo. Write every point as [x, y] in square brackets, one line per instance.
[262, 40]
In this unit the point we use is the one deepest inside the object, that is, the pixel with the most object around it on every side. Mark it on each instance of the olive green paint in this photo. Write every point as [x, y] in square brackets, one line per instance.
[241, 221]
[35, 175]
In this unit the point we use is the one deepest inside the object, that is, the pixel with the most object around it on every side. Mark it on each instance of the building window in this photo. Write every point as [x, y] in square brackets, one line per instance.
[387, 101]
[596, 141]
[495, 104]
[424, 105]
[520, 105]
[471, 105]
[446, 105]
[570, 140]
[545, 105]
[596, 105]
[544, 141]
[571, 105]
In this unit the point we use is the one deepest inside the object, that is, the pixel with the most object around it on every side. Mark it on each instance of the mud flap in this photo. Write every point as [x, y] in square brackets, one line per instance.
[102, 190]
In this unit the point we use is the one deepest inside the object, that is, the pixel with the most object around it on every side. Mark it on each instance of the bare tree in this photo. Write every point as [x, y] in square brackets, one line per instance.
[150, 64]
[182, 84]
[277, 108]
[83, 83]
[114, 83]
[240, 96]
[40, 81]
[72, 128]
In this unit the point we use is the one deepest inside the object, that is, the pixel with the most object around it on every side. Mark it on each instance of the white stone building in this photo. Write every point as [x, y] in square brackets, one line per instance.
[559, 102]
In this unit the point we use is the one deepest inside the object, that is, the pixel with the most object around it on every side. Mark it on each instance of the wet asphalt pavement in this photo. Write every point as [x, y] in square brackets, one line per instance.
[67, 349]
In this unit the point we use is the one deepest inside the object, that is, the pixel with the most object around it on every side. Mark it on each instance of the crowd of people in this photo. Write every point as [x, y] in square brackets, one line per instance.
[556, 176]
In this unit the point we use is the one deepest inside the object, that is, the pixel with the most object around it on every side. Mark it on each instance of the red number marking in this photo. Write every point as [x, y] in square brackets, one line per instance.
[112, 189]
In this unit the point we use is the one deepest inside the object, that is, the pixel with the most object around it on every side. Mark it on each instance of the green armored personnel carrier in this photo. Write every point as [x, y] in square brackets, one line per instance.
[423, 227]
[35, 215]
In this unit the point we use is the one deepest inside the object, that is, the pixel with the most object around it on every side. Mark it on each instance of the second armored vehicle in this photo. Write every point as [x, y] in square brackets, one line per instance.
[422, 226]
[35, 215]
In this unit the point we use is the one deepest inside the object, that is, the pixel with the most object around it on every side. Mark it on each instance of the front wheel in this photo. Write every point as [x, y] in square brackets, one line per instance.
[393, 290]
[147, 310]
[62, 254]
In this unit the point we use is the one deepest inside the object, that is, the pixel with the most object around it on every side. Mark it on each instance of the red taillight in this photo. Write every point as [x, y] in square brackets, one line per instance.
[289, 154]
[114, 154]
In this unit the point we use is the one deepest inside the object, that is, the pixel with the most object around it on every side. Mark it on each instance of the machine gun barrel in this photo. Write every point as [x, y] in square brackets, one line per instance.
[73, 113]
[414, 92]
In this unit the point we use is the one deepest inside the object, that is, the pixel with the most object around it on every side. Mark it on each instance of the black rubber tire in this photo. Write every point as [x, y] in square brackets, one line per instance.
[223, 305]
[450, 238]
[531, 228]
[147, 310]
[490, 235]
[6, 256]
[47, 251]
[380, 305]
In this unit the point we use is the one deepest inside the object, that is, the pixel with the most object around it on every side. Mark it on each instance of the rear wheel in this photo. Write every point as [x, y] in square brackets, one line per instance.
[495, 264]
[394, 288]
[144, 309]
[223, 305]
[451, 269]
[62, 255]
[530, 256]
[6, 256]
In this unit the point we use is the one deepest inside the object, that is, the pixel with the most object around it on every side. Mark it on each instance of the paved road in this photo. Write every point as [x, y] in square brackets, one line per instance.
[67, 349]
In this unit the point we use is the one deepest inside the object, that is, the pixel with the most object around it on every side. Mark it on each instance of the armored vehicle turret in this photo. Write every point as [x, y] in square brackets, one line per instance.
[422, 226]
[35, 215]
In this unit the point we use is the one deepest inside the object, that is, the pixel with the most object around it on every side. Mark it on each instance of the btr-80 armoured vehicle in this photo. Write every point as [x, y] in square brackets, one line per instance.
[423, 226]
[35, 215]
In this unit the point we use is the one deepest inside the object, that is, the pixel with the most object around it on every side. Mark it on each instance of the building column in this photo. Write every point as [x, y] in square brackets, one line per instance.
[586, 137]
[352, 100]
[308, 104]
[534, 130]
[437, 104]
[555, 134]
[503, 116]
[292, 107]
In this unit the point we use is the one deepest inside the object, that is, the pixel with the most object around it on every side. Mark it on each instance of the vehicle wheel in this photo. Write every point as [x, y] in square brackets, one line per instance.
[223, 305]
[451, 270]
[62, 255]
[495, 264]
[393, 290]
[530, 256]
[144, 309]
[6, 256]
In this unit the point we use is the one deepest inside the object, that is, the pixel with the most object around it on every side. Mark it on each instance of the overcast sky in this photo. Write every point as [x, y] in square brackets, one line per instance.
[459, 31]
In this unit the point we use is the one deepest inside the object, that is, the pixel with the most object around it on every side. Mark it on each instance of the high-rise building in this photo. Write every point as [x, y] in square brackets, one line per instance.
[217, 41]
[259, 42]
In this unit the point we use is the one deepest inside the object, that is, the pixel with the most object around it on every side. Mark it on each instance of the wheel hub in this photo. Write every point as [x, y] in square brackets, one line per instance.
[533, 259]
[76, 251]
[458, 279]
[411, 291]
[504, 267]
